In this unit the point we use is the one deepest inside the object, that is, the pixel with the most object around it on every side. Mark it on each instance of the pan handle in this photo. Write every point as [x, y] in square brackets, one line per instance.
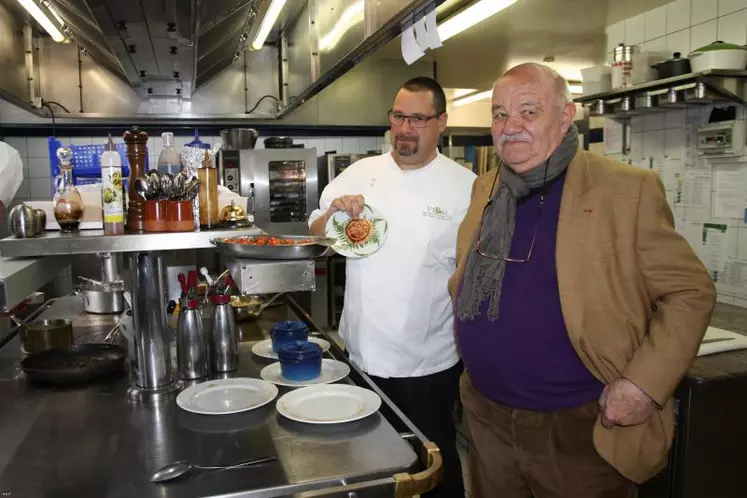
[14, 331]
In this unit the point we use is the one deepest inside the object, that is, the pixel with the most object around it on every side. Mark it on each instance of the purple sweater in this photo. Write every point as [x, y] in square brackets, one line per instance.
[525, 359]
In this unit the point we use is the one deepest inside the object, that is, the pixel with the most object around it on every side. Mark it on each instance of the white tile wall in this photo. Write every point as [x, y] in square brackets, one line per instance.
[655, 21]
[732, 27]
[635, 30]
[678, 15]
[703, 10]
[615, 35]
[679, 41]
[703, 34]
[681, 26]
[728, 6]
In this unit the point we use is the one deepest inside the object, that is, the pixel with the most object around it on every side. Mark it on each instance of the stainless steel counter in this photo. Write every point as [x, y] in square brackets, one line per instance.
[93, 441]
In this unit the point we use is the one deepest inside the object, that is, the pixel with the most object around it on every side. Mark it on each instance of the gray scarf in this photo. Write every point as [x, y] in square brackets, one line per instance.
[483, 276]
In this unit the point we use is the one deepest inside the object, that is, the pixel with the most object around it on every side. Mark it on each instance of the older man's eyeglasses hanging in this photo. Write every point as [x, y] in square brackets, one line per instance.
[479, 245]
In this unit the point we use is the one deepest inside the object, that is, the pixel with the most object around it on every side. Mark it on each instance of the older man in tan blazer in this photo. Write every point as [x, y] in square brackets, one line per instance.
[579, 308]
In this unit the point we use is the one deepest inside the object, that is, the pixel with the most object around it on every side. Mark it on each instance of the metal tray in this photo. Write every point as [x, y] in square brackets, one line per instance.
[300, 251]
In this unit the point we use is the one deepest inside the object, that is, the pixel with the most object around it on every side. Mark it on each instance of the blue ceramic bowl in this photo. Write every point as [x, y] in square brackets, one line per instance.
[288, 332]
[300, 361]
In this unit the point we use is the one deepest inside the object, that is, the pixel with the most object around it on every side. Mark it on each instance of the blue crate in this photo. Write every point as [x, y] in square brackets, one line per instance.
[86, 159]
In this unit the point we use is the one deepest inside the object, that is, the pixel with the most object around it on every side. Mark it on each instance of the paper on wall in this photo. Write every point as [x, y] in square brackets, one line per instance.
[695, 190]
[670, 170]
[735, 276]
[681, 225]
[642, 162]
[613, 137]
[729, 190]
[714, 247]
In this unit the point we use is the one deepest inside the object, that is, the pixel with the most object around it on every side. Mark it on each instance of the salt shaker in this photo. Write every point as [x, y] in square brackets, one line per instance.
[191, 350]
[225, 345]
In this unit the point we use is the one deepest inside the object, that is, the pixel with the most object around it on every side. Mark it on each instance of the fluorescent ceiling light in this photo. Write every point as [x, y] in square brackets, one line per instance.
[479, 11]
[475, 97]
[52, 11]
[267, 23]
[42, 19]
[349, 18]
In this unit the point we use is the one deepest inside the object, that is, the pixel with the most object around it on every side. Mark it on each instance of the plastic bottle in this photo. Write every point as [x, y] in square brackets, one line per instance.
[112, 190]
[168, 159]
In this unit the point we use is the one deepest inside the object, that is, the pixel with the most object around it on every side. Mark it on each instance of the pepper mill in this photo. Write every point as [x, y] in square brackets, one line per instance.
[137, 153]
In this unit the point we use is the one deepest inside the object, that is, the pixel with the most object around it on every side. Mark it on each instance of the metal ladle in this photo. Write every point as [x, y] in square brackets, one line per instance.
[178, 469]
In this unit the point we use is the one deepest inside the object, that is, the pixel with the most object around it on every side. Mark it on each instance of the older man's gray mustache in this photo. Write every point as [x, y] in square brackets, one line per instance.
[515, 137]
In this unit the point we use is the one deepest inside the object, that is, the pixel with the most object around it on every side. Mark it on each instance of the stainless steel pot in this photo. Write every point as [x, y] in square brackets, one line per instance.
[239, 138]
[41, 335]
[102, 301]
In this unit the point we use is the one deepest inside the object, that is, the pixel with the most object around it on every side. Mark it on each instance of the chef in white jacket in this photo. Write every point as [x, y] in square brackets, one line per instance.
[397, 320]
[11, 176]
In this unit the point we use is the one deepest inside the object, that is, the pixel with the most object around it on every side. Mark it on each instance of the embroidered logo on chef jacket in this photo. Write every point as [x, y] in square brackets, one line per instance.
[437, 212]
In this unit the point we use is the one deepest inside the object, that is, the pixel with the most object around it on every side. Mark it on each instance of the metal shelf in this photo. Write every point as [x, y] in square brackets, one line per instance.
[689, 90]
[705, 77]
[94, 241]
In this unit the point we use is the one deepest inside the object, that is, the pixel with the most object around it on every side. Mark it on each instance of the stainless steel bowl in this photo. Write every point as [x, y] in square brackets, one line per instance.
[239, 138]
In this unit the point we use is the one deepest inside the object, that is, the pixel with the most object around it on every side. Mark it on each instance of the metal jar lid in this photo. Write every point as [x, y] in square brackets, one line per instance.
[624, 53]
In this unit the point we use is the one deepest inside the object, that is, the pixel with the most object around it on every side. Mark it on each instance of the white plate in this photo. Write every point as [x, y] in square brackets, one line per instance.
[328, 404]
[332, 371]
[264, 348]
[224, 396]
[335, 229]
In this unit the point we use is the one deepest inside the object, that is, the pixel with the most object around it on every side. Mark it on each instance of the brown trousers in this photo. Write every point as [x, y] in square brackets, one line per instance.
[525, 454]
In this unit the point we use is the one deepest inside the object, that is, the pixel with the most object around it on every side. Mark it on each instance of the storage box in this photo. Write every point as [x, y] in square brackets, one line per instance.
[596, 79]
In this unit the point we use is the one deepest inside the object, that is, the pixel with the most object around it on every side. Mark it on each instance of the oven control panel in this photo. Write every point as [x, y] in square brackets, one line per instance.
[231, 170]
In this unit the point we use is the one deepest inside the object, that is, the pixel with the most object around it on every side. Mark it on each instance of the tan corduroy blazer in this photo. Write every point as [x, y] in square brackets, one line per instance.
[636, 300]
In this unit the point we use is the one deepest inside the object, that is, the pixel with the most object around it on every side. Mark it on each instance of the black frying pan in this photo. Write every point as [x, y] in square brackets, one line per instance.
[77, 363]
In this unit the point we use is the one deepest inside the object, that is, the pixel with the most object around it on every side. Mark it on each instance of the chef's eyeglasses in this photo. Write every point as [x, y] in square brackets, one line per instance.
[534, 233]
[416, 120]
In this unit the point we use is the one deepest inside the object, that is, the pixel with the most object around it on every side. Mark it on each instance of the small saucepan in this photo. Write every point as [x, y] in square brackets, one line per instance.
[250, 307]
[41, 335]
[676, 66]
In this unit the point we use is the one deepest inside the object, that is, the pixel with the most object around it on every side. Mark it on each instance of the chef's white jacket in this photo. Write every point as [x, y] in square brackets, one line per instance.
[397, 319]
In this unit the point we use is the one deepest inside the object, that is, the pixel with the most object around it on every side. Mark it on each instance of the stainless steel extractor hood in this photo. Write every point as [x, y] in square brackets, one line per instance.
[158, 54]
[162, 48]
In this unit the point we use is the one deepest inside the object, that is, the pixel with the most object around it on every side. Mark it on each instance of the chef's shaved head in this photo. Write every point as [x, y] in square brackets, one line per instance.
[531, 71]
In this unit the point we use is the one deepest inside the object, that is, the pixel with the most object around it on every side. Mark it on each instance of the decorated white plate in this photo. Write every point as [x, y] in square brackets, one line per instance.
[328, 404]
[357, 238]
[332, 371]
[264, 348]
[224, 396]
